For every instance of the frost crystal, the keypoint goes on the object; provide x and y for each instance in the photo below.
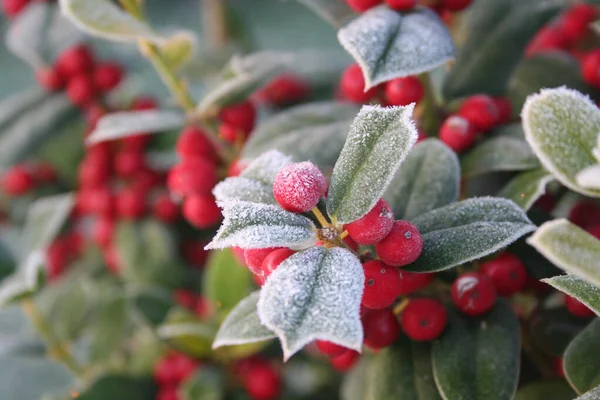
(314, 294)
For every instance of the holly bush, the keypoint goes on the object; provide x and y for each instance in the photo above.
(266, 209)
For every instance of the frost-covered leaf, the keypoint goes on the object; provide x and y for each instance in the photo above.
(242, 325)
(466, 231)
(388, 45)
(335, 12)
(479, 358)
(255, 226)
(379, 140)
(25, 281)
(561, 126)
(499, 154)
(429, 178)
(314, 132)
(314, 294)
(546, 390)
(45, 218)
(579, 288)
(581, 362)
(255, 183)
(122, 124)
(527, 187)
(593, 394)
(569, 248)
(589, 178)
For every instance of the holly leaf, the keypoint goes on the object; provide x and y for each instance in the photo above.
(379, 140)
(387, 44)
(581, 366)
(45, 218)
(314, 294)
(466, 231)
(428, 179)
(570, 248)
(545, 390)
(527, 187)
(335, 12)
(591, 395)
(243, 325)
(561, 126)
(578, 288)
(479, 358)
(256, 226)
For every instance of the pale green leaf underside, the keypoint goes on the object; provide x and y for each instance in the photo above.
(569, 248)
(314, 294)
(429, 178)
(527, 187)
(468, 230)
(589, 178)
(379, 140)
(579, 288)
(581, 362)
(478, 358)
(561, 126)
(388, 45)
(242, 325)
(335, 12)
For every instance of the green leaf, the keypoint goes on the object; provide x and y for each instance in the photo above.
(122, 124)
(335, 12)
(527, 187)
(12, 107)
(25, 281)
(379, 140)
(479, 358)
(243, 325)
(314, 131)
(561, 126)
(152, 304)
(591, 395)
(546, 390)
(388, 45)
(184, 332)
(579, 288)
(45, 218)
(552, 330)
(109, 328)
(429, 178)
(119, 387)
(466, 231)
(569, 248)
(15, 329)
(206, 384)
(580, 363)
(496, 33)
(297, 301)
(499, 154)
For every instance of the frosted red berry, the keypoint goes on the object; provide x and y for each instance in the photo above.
(352, 85)
(298, 187)
(81, 90)
(481, 111)
(403, 91)
(50, 79)
(201, 211)
(361, 6)
(411, 282)
(455, 5)
(107, 76)
(374, 226)
(590, 68)
(17, 180)
(192, 176)
(381, 285)
(273, 260)
(473, 293)
(423, 319)
(458, 133)
(402, 246)
(240, 116)
(76, 60)
(331, 349)
(131, 204)
(577, 308)
(165, 209)
(255, 257)
(192, 143)
(262, 382)
(346, 361)
(507, 273)
(381, 328)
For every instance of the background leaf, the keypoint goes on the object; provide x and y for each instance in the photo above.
(579, 288)
(526, 188)
(545, 390)
(119, 387)
(580, 363)
(206, 384)
(335, 12)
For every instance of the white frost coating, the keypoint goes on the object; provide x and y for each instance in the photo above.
(379, 140)
(242, 325)
(265, 168)
(561, 126)
(389, 45)
(314, 295)
(257, 226)
(579, 288)
(122, 124)
(527, 187)
(589, 178)
(570, 248)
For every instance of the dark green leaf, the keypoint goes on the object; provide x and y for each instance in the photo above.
(499, 154)
(184, 332)
(116, 387)
(546, 390)
(206, 384)
(109, 328)
(552, 330)
(581, 362)
(527, 187)
(153, 304)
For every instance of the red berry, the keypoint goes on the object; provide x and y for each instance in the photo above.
(146, 179)
(137, 142)
(165, 209)
(272, 261)
(401, 5)
(76, 60)
(94, 171)
(81, 90)
(107, 76)
(577, 308)
(481, 111)
(283, 90)
(193, 252)
(473, 293)
(240, 116)
(128, 163)
(100, 201)
(507, 273)
(401, 246)
(164, 374)
(352, 85)
(585, 214)
(12, 8)
(262, 382)
(183, 366)
(201, 211)
(557, 367)
(381, 285)
(455, 5)
(590, 68)
(374, 226)
(192, 176)
(298, 187)
(504, 107)
(381, 328)
(168, 393)
(411, 282)
(594, 231)
(236, 168)
(457, 133)
(231, 134)
(254, 258)
(361, 6)
(131, 204)
(548, 38)
(185, 298)
(103, 231)
(575, 21)
(423, 319)
(17, 180)
(50, 79)
(57, 258)
(331, 349)
(143, 103)
(192, 143)
(403, 91)
(346, 361)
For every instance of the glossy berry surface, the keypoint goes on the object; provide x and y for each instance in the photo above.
(255, 257)
(374, 226)
(272, 261)
(381, 285)
(363, 5)
(298, 187)
(481, 111)
(352, 85)
(402, 246)
(473, 293)
(381, 328)
(17, 180)
(346, 361)
(507, 273)
(201, 211)
(403, 91)
(411, 282)
(423, 319)
(331, 349)
(458, 133)
(577, 308)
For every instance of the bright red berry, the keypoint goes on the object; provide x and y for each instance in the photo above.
(127, 163)
(131, 204)
(481, 111)
(403, 91)
(192, 176)
(457, 133)
(381, 328)
(352, 85)
(548, 38)
(374, 226)
(100, 201)
(590, 68)
(76, 60)
(585, 214)
(577, 308)
(17, 180)
(50, 79)
(103, 231)
(168, 393)
(298, 187)
(143, 103)
(346, 361)
(272, 261)
(331, 349)
(231, 134)
(381, 285)
(184, 366)
(241, 116)
(455, 5)
(81, 90)
(12, 8)
(107, 76)
(423, 319)
(201, 211)
(402, 246)
(93, 172)
(575, 21)
(165, 209)
(163, 373)
(185, 298)
(192, 143)
(283, 90)
(254, 258)
(473, 294)
(361, 6)
(262, 382)
(507, 273)
(411, 282)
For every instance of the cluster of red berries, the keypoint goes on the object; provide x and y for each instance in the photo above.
(20, 179)
(171, 371)
(440, 6)
(283, 90)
